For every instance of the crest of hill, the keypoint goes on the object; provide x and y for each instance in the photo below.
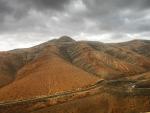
(63, 39)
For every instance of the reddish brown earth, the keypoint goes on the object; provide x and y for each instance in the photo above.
(102, 103)
(65, 64)
(46, 75)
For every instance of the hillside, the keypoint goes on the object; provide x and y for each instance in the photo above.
(65, 64)
(139, 46)
(44, 76)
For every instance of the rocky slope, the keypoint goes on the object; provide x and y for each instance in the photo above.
(65, 64)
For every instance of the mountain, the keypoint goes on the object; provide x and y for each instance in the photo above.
(65, 64)
(139, 46)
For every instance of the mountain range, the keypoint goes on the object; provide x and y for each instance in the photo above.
(65, 64)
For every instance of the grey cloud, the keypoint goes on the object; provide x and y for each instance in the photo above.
(4, 7)
(59, 17)
(119, 15)
(46, 4)
(20, 8)
(17, 13)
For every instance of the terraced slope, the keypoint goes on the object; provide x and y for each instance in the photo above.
(124, 53)
(103, 64)
(143, 80)
(139, 46)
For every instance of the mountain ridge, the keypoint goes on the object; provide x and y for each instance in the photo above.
(92, 61)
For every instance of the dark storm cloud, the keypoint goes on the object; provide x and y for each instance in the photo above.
(117, 18)
(45, 4)
(4, 8)
(107, 14)
(118, 14)
(110, 5)
(20, 8)
(16, 13)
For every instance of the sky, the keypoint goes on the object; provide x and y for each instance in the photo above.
(24, 23)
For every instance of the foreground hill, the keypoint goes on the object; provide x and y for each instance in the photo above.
(65, 64)
(46, 75)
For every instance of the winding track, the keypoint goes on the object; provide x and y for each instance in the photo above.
(61, 94)
(97, 85)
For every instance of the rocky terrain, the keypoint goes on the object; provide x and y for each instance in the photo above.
(64, 64)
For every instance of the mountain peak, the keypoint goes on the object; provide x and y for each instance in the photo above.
(65, 39)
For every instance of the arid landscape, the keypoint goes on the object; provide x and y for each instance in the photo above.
(74, 56)
(68, 76)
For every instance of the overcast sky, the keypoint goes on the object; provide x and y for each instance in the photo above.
(24, 23)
